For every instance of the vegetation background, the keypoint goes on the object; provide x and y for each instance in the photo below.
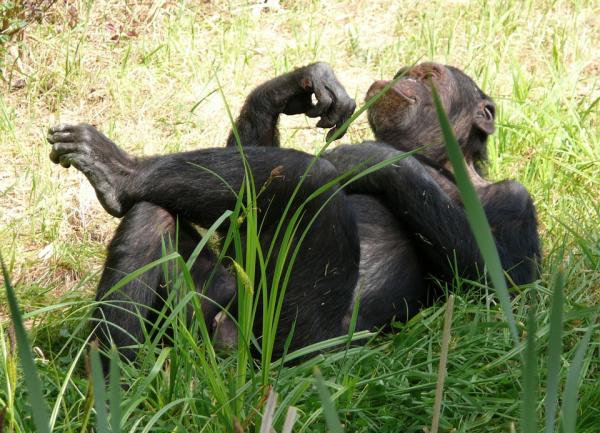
(146, 74)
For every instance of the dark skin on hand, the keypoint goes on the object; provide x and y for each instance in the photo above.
(382, 241)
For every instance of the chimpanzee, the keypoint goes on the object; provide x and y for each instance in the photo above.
(383, 239)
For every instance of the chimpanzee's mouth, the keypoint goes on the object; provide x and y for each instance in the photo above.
(405, 89)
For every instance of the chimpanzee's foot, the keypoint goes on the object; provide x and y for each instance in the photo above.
(225, 335)
(91, 152)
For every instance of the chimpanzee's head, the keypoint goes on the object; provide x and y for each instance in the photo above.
(405, 117)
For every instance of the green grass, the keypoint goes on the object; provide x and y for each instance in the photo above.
(147, 75)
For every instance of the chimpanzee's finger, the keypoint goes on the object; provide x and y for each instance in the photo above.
(339, 125)
(325, 122)
(62, 127)
(54, 156)
(60, 149)
(64, 137)
(65, 160)
(332, 131)
(324, 101)
(339, 114)
(343, 105)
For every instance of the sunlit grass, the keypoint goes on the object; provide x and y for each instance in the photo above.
(147, 75)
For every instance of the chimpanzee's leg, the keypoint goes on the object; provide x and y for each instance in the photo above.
(122, 313)
(512, 217)
(319, 291)
(320, 287)
(438, 222)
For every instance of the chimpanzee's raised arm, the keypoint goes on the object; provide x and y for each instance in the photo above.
(290, 94)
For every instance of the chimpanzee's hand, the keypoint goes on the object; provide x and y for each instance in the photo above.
(333, 106)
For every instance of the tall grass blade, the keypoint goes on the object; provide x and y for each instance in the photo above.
(60, 398)
(331, 416)
(323, 346)
(530, 378)
(115, 392)
(284, 262)
(41, 417)
(290, 420)
(266, 425)
(206, 354)
(554, 351)
(476, 217)
(164, 409)
(207, 236)
(569, 402)
(140, 271)
(246, 300)
(99, 391)
(143, 385)
(439, 389)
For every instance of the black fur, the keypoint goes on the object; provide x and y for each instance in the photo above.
(378, 241)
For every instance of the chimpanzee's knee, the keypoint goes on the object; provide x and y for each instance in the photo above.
(120, 312)
(512, 216)
(510, 198)
(145, 233)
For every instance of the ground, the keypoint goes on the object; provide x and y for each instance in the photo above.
(148, 74)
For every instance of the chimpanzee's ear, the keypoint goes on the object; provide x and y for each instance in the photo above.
(485, 115)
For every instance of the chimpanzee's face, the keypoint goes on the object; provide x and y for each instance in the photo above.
(405, 116)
